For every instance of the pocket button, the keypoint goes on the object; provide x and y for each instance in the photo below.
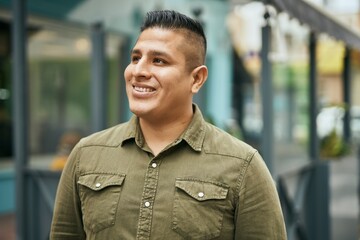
(98, 185)
(201, 194)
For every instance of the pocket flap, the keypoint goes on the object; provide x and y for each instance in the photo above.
(99, 181)
(202, 190)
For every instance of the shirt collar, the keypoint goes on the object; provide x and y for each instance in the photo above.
(194, 134)
(132, 130)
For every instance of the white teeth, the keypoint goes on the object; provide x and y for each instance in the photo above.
(142, 89)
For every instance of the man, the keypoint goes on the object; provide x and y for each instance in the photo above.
(166, 174)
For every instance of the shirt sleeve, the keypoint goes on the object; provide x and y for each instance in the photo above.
(67, 217)
(259, 214)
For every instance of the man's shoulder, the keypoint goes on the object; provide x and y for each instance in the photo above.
(110, 137)
(219, 142)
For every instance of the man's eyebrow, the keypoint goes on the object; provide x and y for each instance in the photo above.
(135, 51)
(159, 53)
(153, 53)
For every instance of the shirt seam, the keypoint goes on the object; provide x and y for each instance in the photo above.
(77, 172)
(99, 145)
(100, 172)
(229, 155)
(186, 179)
(242, 174)
(76, 185)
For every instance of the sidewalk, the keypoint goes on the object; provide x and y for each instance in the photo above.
(344, 204)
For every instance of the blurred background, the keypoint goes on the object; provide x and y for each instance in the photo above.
(284, 76)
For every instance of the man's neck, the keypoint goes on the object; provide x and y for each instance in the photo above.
(159, 134)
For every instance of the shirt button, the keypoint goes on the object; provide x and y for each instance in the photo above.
(154, 165)
(97, 185)
(201, 194)
(147, 204)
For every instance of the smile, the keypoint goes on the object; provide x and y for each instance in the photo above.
(143, 89)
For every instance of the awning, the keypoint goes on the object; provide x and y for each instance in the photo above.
(318, 20)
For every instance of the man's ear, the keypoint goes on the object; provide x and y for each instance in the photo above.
(199, 76)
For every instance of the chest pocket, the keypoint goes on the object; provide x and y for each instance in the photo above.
(198, 208)
(99, 196)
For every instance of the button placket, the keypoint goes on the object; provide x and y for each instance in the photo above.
(147, 201)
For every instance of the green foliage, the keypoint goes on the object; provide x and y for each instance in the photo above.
(332, 146)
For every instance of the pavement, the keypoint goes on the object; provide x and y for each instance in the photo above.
(344, 204)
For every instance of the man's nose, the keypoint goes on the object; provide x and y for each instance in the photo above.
(142, 69)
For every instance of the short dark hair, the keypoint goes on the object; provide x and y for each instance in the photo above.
(169, 19)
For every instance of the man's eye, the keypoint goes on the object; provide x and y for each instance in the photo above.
(158, 60)
(135, 59)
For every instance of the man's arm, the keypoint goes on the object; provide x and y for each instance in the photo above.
(67, 218)
(259, 214)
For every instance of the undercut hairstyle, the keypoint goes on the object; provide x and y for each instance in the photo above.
(192, 29)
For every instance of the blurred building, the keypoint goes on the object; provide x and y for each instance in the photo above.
(289, 57)
(69, 45)
(59, 49)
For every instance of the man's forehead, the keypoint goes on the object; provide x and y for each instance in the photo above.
(173, 41)
(157, 33)
(158, 40)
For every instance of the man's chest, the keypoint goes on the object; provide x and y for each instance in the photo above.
(181, 195)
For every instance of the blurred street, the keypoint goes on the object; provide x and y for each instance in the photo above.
(344, 204)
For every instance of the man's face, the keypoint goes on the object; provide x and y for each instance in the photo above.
(158, 81)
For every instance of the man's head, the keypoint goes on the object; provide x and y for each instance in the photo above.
(192, 30)
(167, 67)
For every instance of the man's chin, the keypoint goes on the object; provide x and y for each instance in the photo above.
(139, 112)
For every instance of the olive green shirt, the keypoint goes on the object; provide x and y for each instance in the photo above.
(205, 185)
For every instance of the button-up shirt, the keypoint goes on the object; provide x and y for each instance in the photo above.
(205, 185)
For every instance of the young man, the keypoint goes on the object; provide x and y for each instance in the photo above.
(166, 174)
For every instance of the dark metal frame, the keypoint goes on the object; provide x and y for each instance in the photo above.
(347, 94)
(99, 79)
(20, 112)
(313, 103)
(267, 96)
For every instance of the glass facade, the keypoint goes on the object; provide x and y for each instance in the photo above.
(59, 76)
